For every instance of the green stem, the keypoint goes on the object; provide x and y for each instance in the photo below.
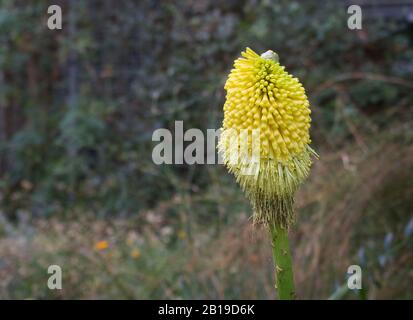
(284, 279)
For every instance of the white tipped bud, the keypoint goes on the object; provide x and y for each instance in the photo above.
(270, 55)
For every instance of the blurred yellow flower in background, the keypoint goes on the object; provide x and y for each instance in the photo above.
(181, 234)
(135, 253)
(101, 245)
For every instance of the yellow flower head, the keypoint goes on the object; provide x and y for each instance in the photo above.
(266, 125)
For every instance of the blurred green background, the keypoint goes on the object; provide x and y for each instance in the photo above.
(78, 187)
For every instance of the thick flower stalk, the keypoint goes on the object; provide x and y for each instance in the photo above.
(265, 138)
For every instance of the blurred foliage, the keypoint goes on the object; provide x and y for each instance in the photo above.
(78, 107)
